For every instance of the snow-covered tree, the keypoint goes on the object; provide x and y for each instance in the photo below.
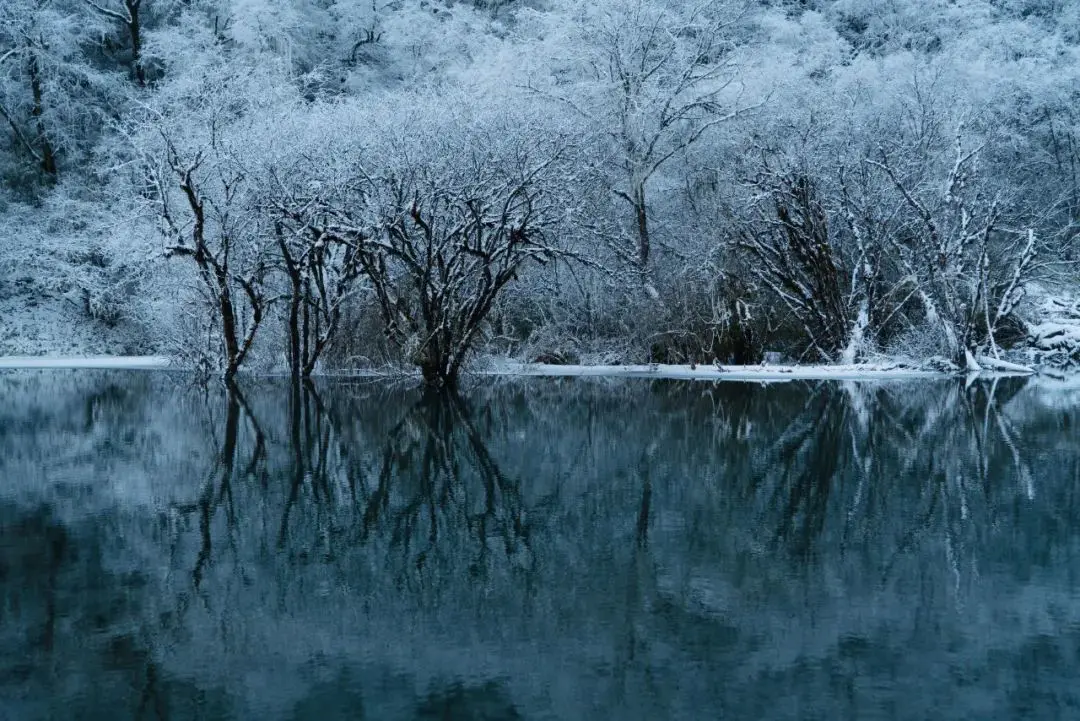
(128, 14)
(441, 214)
(200, 182)
(276, 112)
(652, 78)
(49, 90)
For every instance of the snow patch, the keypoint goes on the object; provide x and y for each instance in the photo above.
(970, 363)
(860, 371)
(1056, 335)
(1003, 366)
(106, 362)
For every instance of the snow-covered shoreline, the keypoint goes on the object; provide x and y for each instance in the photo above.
(505, 367)
(85, 363)
(859, 371)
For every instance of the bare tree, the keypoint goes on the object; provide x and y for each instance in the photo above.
(23, 59)
(814, 250)
(210, 214)
(439, 234)
(793, 256)
(127, 13)
(322, 270)
(665, 78)
(966, 261)
(846, 259)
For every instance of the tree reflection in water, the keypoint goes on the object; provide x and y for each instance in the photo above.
(550, 548)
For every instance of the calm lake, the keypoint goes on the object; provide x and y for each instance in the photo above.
(542, 549)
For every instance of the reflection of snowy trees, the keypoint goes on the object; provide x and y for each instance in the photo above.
(357, 544)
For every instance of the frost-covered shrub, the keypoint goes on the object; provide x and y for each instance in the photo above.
(917, 342)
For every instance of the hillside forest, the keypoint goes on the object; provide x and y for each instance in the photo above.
(339, 184)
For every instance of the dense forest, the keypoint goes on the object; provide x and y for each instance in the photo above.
(327, 184)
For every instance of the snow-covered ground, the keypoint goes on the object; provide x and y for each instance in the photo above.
(505, 367)
(1055, 331)
(861, 371)
(36, 320)
(97, 362)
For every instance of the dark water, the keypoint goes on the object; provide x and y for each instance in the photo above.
(541, 550)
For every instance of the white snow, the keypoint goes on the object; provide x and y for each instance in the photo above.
(970, 363)
(504, 367)
(1055, 335)
(860, 371)
(996, 364)
(90, 362)
(1055, 325)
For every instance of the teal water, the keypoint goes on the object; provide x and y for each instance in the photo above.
(560, 549)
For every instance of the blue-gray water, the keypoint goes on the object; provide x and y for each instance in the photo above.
(538, 550)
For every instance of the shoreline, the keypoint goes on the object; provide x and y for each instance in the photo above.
(771, 373)
(507, 368)
(86, 363)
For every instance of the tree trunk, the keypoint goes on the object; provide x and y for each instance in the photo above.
(857, 334)
(436, 367)
(305, 336)
(295, 362)
(47, 154)
(297, 355)
(228, 331)
(135, 31)
(641, 215)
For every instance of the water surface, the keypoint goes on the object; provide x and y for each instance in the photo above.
(549, 549)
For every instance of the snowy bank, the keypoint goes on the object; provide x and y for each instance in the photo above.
(95, 362)
(505, 367)
(862, 371)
